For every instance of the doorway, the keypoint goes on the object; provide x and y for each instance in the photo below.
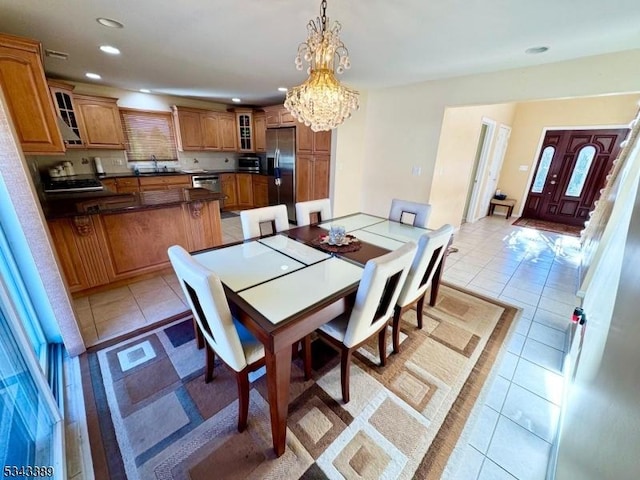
(482, 153)
(571, 170)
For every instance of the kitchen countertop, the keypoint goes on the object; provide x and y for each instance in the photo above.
(178, 172)
(60, 205)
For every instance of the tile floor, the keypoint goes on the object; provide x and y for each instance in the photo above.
(534, 270)
(537, 271)
(106, 315)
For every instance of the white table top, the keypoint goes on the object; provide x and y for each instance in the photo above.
(396, 231)
(353, 222)
(378, 240)
(297, 250)
(247, 264)
(285, 296)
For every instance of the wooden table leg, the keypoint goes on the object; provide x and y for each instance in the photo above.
(278, 380)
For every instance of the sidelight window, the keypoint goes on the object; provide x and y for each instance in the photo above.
(580, 171)
(543, 169)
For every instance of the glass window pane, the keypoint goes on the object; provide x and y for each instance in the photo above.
(580, 171)
(543, 169)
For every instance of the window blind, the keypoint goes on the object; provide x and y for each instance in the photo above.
(148, 133)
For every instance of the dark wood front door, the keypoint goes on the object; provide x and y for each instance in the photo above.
(571, 171)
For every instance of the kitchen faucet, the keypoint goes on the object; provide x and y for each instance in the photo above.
(155, 163)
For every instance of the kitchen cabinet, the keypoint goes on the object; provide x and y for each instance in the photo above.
(189, 130)
(101, 126)
(109, 184)
(201, 130)
(127, 185)
(227, 132)
(244, 185)
(27, 96)
(244, 130)
(210, 130)
(229, 189)
(164, 182)
(260, 190)
(62, 95)
(278, 116)
(308, 141)
(260, 131)
(312, 177)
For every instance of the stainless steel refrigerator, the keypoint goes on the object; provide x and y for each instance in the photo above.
(281, 153)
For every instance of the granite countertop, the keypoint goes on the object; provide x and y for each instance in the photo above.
(62, 205)
(178, 172)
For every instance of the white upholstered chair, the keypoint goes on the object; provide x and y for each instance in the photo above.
(252, 220)
(377, 295)
(321, 207)
(223, 335)
(420, 212)
(432, 247)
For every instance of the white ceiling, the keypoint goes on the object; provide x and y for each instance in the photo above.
(215, 50)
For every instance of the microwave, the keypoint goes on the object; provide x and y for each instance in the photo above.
(249, 164)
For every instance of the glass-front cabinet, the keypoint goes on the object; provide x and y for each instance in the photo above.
(244, 122)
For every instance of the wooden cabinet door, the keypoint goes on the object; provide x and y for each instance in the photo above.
(245, 189)
(320, 177)
(286, 119)
(260, 191)
(260, 132)
(62, 95)
(109, 184)
(101, 122)
(244, 129)
(228, 182)
(210, 123)
(190, 134)
(304, 178)
(304, 139)
(272, 116)
(227, 132)
(127, 185)
(322, 142)
(27, 95)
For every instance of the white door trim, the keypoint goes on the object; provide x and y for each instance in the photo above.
(471, 214)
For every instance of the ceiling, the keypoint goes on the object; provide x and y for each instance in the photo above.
(216, 50)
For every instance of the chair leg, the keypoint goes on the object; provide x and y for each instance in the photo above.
(242, 379)
(345, 364)
(419, 307)
(396, 329)
(210, 357)
(382, 345)
(306, 356)
(198, 333)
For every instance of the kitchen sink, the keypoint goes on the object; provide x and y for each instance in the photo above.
(160, 171)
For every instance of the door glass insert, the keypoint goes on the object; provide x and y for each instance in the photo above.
(580, 171)
(543, 169)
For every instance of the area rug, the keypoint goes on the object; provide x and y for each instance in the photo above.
(159, 420)
(548, 226)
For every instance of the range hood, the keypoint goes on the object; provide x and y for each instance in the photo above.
(66, 132)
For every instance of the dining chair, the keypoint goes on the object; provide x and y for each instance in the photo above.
(420, 212)
(223, 334)
(253, 219)
(304, 210)
(376, 297)
(431, 249)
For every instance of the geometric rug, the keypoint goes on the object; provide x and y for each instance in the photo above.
(548, 226)
(159, 420)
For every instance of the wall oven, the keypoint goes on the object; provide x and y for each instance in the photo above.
(210, 182)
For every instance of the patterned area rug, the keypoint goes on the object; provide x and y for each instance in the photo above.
(159, 420)
(548, 226)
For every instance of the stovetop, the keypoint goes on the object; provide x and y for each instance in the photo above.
(75, 183)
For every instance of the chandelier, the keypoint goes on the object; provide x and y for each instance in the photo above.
(321, 102)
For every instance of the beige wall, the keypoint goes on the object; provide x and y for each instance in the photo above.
(531, 118)
(403, 124)
(455, 158)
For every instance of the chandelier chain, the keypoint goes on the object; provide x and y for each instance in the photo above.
(323, 10)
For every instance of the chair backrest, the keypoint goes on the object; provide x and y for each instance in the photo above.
(378, 292)
(421, 211)
(252, 219)
(304, 210)
(209, 305)
(431, 248)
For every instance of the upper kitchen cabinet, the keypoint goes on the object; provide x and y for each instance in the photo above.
(308, 141)
(101, 126)
(62, 94)
(205, 129)
(25, 91)
(244, 130)
(260, 131)
(278, 116)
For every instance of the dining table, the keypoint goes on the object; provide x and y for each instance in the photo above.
(284, 286)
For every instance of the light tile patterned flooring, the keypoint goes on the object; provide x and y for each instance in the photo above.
(534, 270)
(537, 271)
(106, 315)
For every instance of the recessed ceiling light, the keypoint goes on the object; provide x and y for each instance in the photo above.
(145, 90)
(93, 76)
(236, 100)
(536, 50)
(108, 22)
(282, 89)
(110, 50)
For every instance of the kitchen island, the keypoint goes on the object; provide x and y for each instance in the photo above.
(104, 237)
